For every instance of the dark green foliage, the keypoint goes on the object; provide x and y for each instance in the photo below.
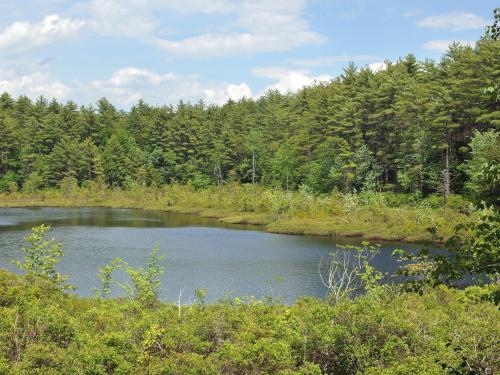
(473, 254)
(493, 31)
(406, 128)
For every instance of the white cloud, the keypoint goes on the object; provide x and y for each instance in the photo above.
(261, 26)
(248, 26)
(454, 21)
(126, 86)
(443, 45)
(135, 18)
(289, 80)
(22, 36)
(377, 66)
(32, 84)
(330, 60)
(122, 18)
(221, 94)
(216, 45)
(237, 92)
(197, 6)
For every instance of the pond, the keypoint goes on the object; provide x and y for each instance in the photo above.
(227, 260)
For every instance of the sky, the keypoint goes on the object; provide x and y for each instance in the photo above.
(164, 51)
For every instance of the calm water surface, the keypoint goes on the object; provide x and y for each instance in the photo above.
(236, 260)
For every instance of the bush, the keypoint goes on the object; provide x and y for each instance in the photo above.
(8, 182)
(454, 202)
(379, 333)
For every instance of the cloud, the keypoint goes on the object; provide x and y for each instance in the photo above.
(288, 80)
(237, 92)
(330, 60)
(377, 66)
(126, 86)
(261, 26)
(32, 84)
(443, 45)
(217, 45)
(127, 18)
(23, 36)
(247, 26)
(454, 21)
(197, 6)
(136, 18)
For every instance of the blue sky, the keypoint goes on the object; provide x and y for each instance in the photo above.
(167, 50)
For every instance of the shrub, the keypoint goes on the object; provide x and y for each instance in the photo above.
(41, 257)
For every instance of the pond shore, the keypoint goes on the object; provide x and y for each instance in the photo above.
(403, 224)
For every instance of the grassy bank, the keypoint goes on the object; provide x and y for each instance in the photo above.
(46, 331)
(375, 216)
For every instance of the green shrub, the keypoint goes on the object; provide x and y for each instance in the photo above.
(46, 331)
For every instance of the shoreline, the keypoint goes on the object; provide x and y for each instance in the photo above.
(267, 222)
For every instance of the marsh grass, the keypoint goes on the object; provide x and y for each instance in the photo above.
(375, 216)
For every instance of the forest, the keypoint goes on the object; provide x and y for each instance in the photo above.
(416, 127)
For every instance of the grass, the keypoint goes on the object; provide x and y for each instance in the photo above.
(374, 216)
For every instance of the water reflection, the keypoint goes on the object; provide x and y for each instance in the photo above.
(201, 253)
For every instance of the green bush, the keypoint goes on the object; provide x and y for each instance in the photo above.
(454, 202)
(46, 331)
(9, 182)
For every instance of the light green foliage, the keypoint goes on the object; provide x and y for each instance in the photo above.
(69, 187)
(8, 182)
(284, 167)
(145, 284)
(41, 257)
(105, 274)
(45, 331)
(476, 247)
(33, 183)
(348, 272)
(483, 168)
(200, 294)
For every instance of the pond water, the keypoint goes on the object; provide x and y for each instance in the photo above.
(233, 260)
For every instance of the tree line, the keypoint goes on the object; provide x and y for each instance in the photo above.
(417, 127)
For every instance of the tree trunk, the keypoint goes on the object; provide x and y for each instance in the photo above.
(253, 167)
(446, 177)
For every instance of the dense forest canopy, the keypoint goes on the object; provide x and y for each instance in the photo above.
(405, 128)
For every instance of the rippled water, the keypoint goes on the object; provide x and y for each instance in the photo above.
(237, 260)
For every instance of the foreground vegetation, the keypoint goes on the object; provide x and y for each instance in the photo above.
(45, 331)
(375, 216)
